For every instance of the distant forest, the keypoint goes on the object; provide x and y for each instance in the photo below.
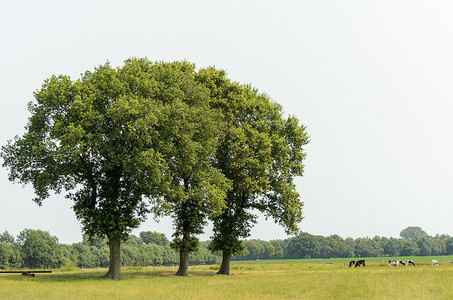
(39, 249)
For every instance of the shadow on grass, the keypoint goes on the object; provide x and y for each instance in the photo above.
(96, 275)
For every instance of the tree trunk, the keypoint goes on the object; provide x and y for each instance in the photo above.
(225, 266)
(114, 271)
(183, 263)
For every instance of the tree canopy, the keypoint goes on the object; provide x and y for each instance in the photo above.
(260, 153)
(110, 140)
(412, 232)
(163, 138)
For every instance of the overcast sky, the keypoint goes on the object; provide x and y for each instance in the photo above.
(371, 80)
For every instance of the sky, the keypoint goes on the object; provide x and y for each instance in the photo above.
(371, 81)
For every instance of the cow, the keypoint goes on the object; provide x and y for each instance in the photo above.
(351, 263)
(434, 262)
(360, 263)
(393, 263)
(410, 263)
(402, 263)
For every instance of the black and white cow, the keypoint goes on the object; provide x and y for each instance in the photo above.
(410, 263)
(393, 263)
(360, 263)
(434, 262)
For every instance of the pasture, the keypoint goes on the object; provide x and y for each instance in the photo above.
(293, 279)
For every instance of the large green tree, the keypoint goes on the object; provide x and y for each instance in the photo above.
(197, 187)
(108, 141)
(260, 153)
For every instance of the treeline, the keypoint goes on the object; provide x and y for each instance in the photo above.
(306, 245)
(39, 249)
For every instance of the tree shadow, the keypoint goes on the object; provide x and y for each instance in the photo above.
(96, 275)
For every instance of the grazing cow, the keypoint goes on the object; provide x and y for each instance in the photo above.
(410, 263)
(360, 263)
(393, 263)
(28, 274)
(434, 262)
(402, 263)
(351, 263)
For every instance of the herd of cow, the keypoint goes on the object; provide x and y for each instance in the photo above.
(392, 263)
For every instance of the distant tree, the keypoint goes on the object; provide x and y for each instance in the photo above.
(278, 252)
(350, 244)
(269, 250)
(260, 153)
(426, 245)
(412, 232)
(393, 247)
(6, 238)
(254, 249)
(304, 245)
(439, 247)
(170, 256)
(3, 256)
(150, 254)
(334, 246)
(449, 246)
(85, 256)
(94, 241)
(151, 237)
(15, 260)
(134, 240)
(39, 249)
(366, 247)
(410, 248)
(130, 255)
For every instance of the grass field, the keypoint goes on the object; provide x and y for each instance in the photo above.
(295, 279)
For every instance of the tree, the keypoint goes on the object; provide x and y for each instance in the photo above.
(39, 249)
(14, 256)
(108, 141)
(278, 249)
(151, 237)
(336, 247)
(366, 247)
(412, 232)
(393, 247)
(409, 248)
(304, 245)
(3, 256)
(426, 246)
(198, 187)
(6, 238)
(260, 152)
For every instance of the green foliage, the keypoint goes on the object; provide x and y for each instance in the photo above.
(260, 153)
(6, 238)
(151, 237)
(39, 249)
(121, 143)
(412, 232)
(3, 256)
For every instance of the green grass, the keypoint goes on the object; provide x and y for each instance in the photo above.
(288, 280)
(419, 259)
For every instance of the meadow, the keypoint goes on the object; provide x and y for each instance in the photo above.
(290, 279)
